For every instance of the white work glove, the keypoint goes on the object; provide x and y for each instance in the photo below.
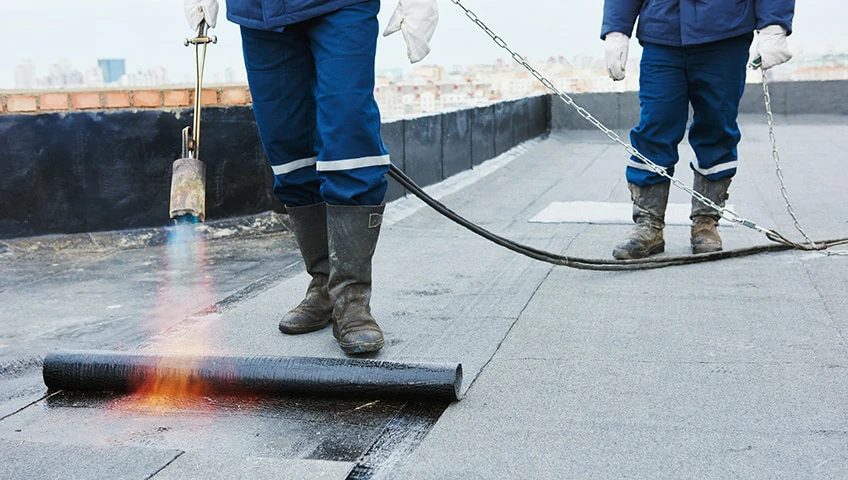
(417, 19)
(201, 10)
(772, 46)
(617, 45)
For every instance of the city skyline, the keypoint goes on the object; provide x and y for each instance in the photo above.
(427, 89)
(27, 76)
(821, 66)
(149, 34)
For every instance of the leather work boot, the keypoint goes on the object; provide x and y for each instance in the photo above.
(315, 312)
(705, 237)
(352, 233)
(646, 237)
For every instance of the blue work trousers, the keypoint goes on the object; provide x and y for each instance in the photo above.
(710, 77)
(313, 97)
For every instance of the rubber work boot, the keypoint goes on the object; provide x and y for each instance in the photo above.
(646, 237)
(315, 312)
(705, 237)
(353, 233)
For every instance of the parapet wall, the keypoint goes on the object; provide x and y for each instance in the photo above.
(620, 111)
(74, 162)
(86, 161)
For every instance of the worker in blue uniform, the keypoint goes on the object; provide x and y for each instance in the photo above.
(310, 68)
(694, 52)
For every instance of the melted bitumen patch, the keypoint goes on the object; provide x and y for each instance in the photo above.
(378, 434)
(105, 289)
(265, 223)
(18, 366)
(404, 432)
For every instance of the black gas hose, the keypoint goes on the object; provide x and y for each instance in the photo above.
(599, 264)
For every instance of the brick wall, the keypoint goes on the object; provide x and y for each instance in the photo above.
(48, 101)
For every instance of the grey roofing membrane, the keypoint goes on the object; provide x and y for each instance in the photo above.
(730, 369)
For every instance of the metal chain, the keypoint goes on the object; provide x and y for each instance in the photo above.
(776, 157)
(810, 245)
(725, 212)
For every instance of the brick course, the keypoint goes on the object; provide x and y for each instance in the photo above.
(116, 99)
(209, 97)
(54, 101)
(233, 96)
(85, 100)
(147, 98)
(176, 98)
(31, 102)
(21, 103)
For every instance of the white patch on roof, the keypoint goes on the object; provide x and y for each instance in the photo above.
(608, 213)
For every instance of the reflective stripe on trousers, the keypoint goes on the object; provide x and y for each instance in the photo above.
(313, 98)
(710, 77)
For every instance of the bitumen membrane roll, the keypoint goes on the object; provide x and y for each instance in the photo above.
(114, 371)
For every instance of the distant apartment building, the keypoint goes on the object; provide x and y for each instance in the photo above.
(62, 75)
(832, 66)
(25, 75)
(807, 67)
(415, 97)
(432, 88)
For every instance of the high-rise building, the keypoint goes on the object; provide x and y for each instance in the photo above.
(113, 69)
(63, 75)
(25, 75)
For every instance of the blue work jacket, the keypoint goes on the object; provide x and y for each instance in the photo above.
(276, 14)
(691, 22)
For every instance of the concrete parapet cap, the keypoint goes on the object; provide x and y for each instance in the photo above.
(117, 98)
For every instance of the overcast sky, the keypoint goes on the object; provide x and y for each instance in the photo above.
(149, 33)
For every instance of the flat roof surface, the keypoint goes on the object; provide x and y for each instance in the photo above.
(729, 369)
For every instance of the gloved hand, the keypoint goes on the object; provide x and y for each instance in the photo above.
(201, 10)
(617, 45)
(772, 46)
(417, 19)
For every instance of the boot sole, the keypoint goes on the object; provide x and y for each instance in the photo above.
(354, 348)
(357, 347)
(706, 249)
(620, 254)
(298, 330)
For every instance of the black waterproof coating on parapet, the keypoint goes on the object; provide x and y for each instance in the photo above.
(233, 375)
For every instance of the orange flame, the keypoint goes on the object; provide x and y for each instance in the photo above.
(186, 288)
(164, 389)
